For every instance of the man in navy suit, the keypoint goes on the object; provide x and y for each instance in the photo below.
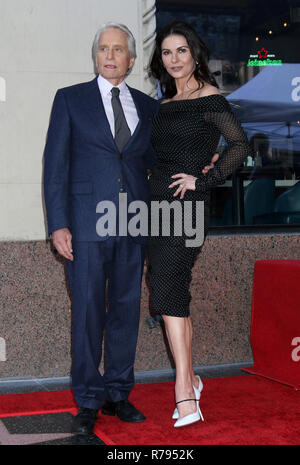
(84, 165)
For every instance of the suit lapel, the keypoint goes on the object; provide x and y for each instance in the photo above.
(140, 116)
(93, 105)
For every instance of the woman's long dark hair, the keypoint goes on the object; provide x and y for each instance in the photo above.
(199, 52)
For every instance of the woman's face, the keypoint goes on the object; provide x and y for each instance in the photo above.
(177, 57)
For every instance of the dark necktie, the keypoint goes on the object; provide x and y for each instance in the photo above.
(122, 131)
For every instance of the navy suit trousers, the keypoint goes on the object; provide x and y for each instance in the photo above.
(105, 280)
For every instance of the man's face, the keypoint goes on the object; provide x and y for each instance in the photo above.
(113, 58)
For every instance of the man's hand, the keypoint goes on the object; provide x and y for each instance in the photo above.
(214, 160)
(62, 241)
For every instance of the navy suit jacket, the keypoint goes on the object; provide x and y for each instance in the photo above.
(83, 165)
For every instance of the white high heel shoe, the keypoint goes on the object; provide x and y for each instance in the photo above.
(191, 418)
(197, 392)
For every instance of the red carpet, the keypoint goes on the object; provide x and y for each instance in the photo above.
(275, 321)
(244, 410)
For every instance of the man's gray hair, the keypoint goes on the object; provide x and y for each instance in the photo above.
(122, 27)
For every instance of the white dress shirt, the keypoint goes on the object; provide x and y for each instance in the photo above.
(126, 101)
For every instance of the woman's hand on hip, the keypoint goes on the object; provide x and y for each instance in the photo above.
(187, 182)
(184, 182)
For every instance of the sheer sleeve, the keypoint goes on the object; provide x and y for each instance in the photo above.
(237, 148)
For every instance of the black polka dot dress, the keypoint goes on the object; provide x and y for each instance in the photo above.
(185, 135)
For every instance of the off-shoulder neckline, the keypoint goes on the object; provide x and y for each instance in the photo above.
(191, 99)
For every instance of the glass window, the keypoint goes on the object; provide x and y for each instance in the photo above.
(256, 60)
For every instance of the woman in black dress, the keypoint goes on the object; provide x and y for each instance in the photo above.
(185, 134)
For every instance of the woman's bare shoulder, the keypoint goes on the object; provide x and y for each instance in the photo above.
(209, 89)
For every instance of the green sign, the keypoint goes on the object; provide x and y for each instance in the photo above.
(263, 58)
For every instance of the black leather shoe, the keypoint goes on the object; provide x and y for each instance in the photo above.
(124, 410)
(84, 421)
